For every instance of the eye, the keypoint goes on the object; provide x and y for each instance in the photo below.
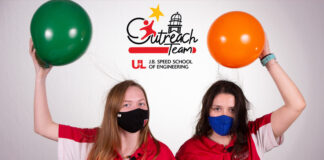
(126, 105)
(216, 108)
(142, 104)
(232, 110)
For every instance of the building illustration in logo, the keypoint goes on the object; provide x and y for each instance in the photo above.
(175, 23)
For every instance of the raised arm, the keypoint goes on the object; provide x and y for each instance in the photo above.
(294, 102)
(43, 123)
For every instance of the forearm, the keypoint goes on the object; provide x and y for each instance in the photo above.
(292, 97)
(42, 116)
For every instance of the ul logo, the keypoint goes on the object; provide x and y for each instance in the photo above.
(139, 64)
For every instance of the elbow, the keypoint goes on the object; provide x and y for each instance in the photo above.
(41, 128)
(37, 130)
(296, 104)
(300, 106)
(303, 105)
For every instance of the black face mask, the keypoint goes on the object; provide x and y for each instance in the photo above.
(132, 121)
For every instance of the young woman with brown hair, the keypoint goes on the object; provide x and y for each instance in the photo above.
(223, 131)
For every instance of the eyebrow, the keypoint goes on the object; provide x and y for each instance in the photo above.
(142, 99)
(221, 106)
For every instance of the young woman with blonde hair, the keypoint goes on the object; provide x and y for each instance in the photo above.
(123, 135)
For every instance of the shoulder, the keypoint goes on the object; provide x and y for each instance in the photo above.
(77, 134)
(189, 147)
(165, 152)
(255, 125)
(192, 142)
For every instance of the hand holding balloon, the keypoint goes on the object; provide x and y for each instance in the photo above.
(266, 49)
(40, 71)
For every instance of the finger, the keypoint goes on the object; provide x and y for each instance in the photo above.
(32, 52)
(267, 44)
(266, 40)
(30, 45)
(33, 55)
(31, 42)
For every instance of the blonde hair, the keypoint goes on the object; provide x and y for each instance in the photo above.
(107, 139)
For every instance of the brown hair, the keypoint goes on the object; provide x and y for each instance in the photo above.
(240, 124)
(107, 138)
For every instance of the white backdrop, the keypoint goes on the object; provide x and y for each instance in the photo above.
(76, 92)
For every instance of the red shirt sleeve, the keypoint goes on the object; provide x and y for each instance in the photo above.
(77, 134)
(165, 153)
(188, 151)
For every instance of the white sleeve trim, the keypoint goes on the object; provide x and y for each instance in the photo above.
(71, 150)
(265, 140)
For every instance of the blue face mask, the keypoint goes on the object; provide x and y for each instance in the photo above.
(221, 124)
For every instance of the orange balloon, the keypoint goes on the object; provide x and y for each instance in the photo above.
(235, 39)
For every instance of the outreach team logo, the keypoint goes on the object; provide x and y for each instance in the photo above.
(141, 32)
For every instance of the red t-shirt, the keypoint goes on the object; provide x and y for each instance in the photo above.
(260, 140)
(76, 143)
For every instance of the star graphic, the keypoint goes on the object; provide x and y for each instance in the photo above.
(156, 13)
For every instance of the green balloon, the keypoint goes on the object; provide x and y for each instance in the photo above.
(61, 31)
